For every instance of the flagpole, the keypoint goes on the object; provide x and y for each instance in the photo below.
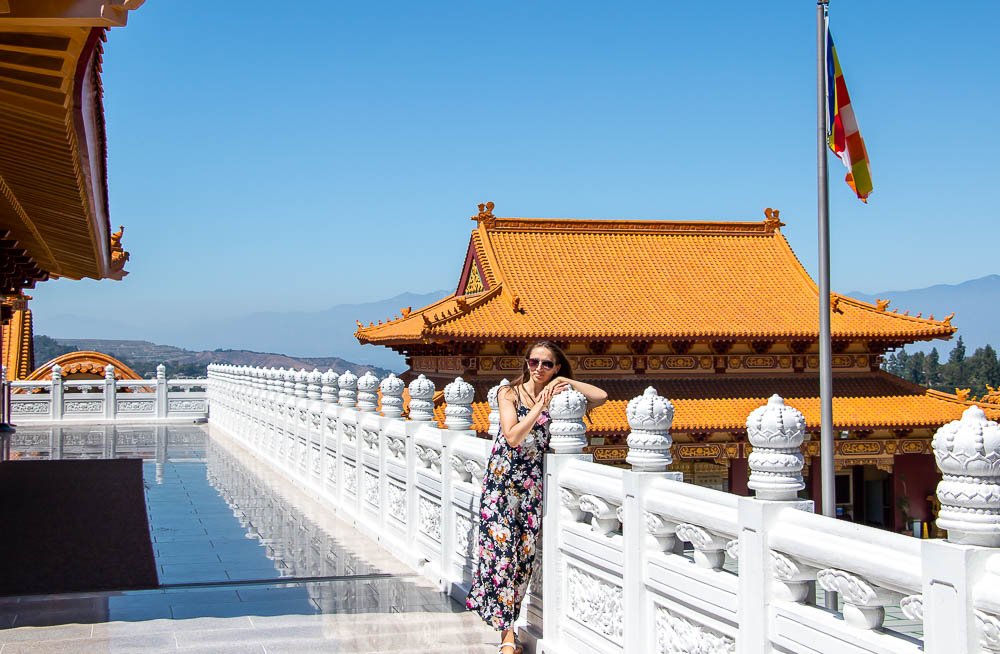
(828, 487)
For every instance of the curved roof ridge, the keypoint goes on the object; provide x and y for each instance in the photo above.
(80, 357)
(868, 306)
(624, 225)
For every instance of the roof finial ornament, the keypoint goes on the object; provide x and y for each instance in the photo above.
(835, 304)
(963, 393)
(485, 213)
(405, 311)
(947, 319)
(881, 304)
(118, 254)
(772, 222)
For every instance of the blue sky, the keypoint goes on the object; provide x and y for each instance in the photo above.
(295, 156)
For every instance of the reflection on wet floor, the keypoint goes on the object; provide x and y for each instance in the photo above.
(245, 561)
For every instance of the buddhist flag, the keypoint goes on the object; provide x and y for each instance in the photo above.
(842, 126)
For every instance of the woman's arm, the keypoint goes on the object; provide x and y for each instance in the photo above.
(595, 396)
(514, 430)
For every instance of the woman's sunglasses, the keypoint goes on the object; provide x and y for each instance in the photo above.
(546, 365)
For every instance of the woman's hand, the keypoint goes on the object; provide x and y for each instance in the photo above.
(552, 389)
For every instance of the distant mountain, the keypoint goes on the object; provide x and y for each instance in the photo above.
(977, 312)
(144, 355)
(301, 334)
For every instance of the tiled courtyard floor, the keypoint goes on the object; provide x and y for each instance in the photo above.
(247, 563)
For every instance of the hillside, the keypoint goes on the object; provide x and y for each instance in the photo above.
(144, 356)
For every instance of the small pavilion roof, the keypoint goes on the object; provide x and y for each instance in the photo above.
(585, 280)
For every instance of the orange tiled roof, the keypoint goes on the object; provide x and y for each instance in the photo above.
(18, 344)
(631, 280)
(866, 401)
(83, 362)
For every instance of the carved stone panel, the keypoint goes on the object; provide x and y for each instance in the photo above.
(29, 408)
(595, 603)
(429, 517)
(186, 405)
(397, 502)
(91, 406)
(675, 635)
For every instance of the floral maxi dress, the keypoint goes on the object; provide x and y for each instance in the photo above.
(510, 517)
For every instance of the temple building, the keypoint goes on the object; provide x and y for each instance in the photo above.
(54, 215)
(717, 316)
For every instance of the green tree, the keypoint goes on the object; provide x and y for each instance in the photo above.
(932, 370)
(914, 370)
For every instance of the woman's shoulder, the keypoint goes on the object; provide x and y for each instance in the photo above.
(507, 392)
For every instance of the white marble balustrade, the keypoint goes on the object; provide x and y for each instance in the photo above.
(635, 560)
(158, 400)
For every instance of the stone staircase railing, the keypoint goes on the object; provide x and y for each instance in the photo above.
(635, 560)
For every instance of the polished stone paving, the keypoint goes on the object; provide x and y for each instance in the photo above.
(247, 563)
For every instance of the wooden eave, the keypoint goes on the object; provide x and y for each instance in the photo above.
(53, 155)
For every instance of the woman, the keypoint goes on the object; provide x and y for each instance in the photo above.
(511, 505)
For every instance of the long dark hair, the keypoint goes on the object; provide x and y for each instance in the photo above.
(565, 369)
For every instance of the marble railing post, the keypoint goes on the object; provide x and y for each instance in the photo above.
(776, 431)
(350, 451)
(421, 412)
(567, 439)
(331, 442)
(649, 417)
(110, 393)
(367, 393)
(968, 453)
(56, 393)
(458, 397)
(391, 388)
(161, 391)
(314, 455)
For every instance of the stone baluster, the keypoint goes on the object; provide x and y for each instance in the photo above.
(392, 396)
(492, 398)
(57, 393)
(458, 396)
(368, 392)
(110, 392)
(568, 434)
(649, 417)
(313, 381)
(776, 431)
(161, 391)
(348, 383)
(422, 399)
(968, 453)
(301, 388)
(330, 389)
